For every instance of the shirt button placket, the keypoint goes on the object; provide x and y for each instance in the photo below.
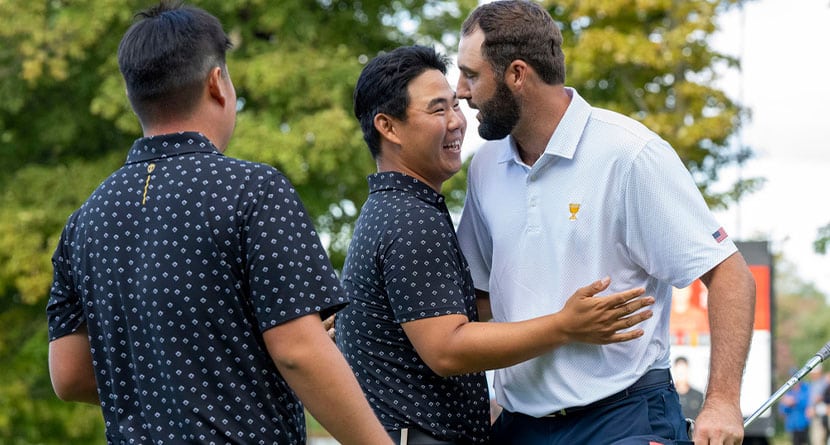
(532, 196)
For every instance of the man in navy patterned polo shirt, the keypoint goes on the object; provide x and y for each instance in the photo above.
(411, 333)
(189, 288)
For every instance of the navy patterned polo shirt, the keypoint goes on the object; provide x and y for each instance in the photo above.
(404, 264)
(177, 263)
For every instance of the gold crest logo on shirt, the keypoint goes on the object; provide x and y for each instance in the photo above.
(574, 209)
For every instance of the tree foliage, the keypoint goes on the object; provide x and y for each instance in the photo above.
(802, 320)
(65, 124)
(823, 239)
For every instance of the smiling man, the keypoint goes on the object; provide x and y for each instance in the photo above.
(411, 332)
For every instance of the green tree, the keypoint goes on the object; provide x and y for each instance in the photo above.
(802, 320)
(65, 124)
(823, 239)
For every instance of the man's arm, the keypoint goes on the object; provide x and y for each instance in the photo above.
(451, 345)
(70, 368)
(317, 372)
(731, 315)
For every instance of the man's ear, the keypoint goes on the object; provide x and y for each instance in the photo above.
(217, 86)
(515, 76)
(385, 125)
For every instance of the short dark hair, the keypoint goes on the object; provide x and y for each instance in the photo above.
(382, 86)
(519, 29)
(166, 55)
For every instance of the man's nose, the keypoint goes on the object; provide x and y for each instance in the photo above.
(457, 120)
(462, 91)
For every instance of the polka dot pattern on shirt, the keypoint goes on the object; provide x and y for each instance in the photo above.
(404, 264)
(177, 263)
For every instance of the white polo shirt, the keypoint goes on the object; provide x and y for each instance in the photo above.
(640, 220)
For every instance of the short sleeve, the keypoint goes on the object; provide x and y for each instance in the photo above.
(64, 310)
(289, 273)
(422, 271)
(670, 231)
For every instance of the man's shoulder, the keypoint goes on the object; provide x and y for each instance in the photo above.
(399, 213)
(611, 122)
(253, 172)
(491, 153)
(244, 164)
(397, 205)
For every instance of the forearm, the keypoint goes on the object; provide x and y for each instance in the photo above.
(319, 375)
(731, 314)
(479, 346)
(451, 345)
(341, 408)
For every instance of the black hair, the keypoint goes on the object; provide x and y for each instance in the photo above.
(166, 56)
(382, 86)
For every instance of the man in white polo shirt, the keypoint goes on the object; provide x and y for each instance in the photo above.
(564, 192)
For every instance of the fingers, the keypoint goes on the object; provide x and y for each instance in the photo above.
(593, 288)
(633, 320)
(623, 325)
(626, 303)
(621, 298)
(635, 305)
(328, 325)
(612, 300)
(632, 313)
(624, 336)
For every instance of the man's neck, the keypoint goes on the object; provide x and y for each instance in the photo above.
(540, 118)
(197, 124)
(386, 166)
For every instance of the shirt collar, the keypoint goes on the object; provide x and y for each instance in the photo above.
(398, 181)
(566, 137)
(167, 145)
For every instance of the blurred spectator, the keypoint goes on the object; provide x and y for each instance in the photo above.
(691, 400)
(817, 410)
(793, 406)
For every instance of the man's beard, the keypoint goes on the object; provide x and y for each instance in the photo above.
(499, 115)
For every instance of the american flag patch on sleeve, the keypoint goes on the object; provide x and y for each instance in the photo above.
(720, 235)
